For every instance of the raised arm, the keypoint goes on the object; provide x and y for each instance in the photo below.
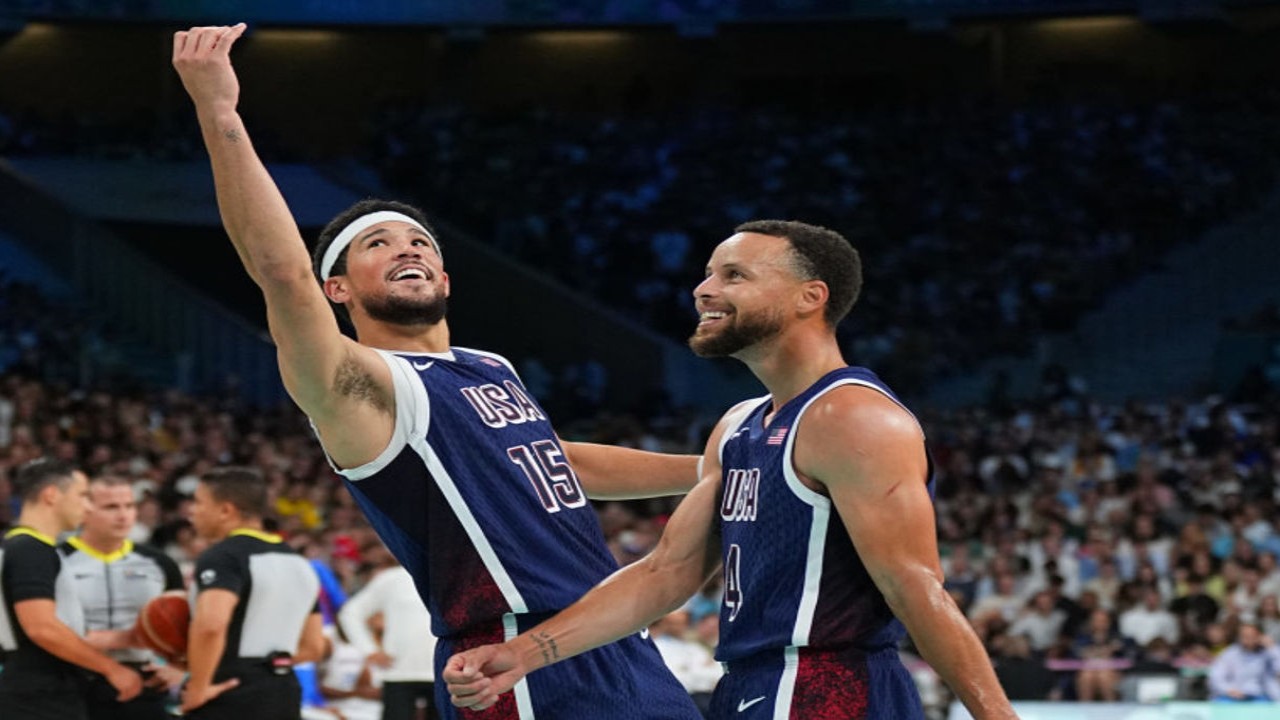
(627, 601)
(608, 472)
(314, 354)
(869, 454)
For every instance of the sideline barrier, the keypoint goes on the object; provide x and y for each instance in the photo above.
(1135, 711)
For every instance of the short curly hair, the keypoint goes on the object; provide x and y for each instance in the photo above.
(819, 253)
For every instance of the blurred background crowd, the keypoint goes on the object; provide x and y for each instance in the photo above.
(1105, 544)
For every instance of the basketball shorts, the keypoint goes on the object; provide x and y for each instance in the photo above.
(801, 684)
(626, 680)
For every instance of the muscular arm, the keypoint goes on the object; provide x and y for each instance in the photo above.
(627, 601)
(608, 472)
(39, 620)
(869, 454)
(635, 596)
(318, 364)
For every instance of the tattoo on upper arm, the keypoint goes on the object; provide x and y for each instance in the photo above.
(353, 381)
(233, 135)
(547, 644)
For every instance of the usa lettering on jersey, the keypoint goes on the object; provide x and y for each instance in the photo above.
(741, 499)
(501, 405)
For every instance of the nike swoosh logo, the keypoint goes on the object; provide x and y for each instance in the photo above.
(423, 366)
(744, 704)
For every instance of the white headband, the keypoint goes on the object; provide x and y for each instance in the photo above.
(359, 225)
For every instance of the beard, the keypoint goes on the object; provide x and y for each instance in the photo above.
(741, 333)
(407, 311)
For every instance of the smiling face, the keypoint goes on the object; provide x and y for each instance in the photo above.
(393, 275)
(744, 298)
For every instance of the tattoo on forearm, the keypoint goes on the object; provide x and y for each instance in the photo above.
(233, 135)
(547, 644)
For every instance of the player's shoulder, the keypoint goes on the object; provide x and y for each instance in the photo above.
(855, 408)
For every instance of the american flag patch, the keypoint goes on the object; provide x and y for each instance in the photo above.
(777, 436)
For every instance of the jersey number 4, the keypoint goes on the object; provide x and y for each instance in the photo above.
(552, 479)
(733, 581)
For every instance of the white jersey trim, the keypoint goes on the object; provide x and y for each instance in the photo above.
(413, 421)
(524, 701)
(737, 415)
(787, 683)
(821, 521)
(462, 511)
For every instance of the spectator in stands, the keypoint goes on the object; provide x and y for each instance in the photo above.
(1106, 585)
(1145, 622)
(1040, 622)
(1022, 675)
(690, 661)
(349, 683)
(404, 652)
(1248, 670)
(1004, 603)
(1268, 617)
(1103, 652)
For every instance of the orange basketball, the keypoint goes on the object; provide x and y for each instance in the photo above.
(163, 622)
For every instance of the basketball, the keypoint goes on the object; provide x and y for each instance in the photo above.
(163, 622)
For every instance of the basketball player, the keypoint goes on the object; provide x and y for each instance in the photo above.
(815, 500)
(256, 611)
(112, 579)
(452, 461)
(41, 622)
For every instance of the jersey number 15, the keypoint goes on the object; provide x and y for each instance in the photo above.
(553, 480)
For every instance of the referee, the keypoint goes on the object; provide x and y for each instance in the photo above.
(112, 578)
(40, 618)
(256, 610)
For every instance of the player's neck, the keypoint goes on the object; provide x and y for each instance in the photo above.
(789, 365)
(404, 338)
(41, 521)
(103, 544)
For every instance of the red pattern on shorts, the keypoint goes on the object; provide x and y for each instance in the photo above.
(827, 690)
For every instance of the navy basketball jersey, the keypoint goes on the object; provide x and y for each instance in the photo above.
(792, 576)
(474, 495)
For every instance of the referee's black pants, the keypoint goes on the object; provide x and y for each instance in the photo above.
(40, 696)
(261, 695)
(100, 696)
(404, 700)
